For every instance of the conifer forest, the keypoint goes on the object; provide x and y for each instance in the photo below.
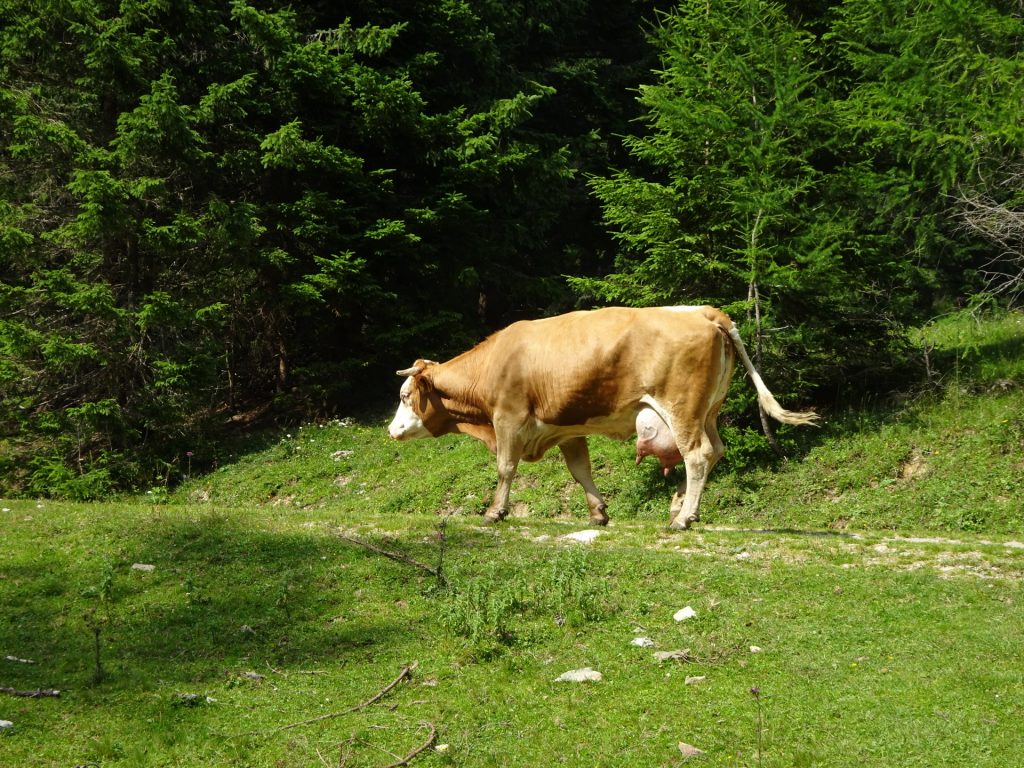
(215, 215)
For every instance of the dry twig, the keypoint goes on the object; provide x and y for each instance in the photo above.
(392, 555)
(406, 671)
(39, 693)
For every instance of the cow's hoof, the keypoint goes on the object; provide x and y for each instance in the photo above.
(681, 523)
(492, 517)
(599, 516)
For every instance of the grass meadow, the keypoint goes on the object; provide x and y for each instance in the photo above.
(857, 605)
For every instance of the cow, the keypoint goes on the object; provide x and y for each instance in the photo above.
(659, 372)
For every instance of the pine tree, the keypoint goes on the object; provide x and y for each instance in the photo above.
(730, 210)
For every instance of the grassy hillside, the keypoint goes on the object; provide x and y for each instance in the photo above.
(947, 457)
(860, 604)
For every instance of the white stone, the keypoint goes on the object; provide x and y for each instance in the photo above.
(642, 642)
(144, 567)
(684, 613)
(580, 676)
(584, 537)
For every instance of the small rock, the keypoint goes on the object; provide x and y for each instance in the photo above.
(684, 613)
(755, 649)
(580, 676)
(694, 679)
(680, 655)
(253, 676)
(17, 660)
(584, 537)
(688, 750)
(642, 642)
(247, 630)
(192, 700)
(144, 567)
(344, 454)
(6, 725)
(441, 748)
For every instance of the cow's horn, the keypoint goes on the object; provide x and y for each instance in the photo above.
(418, 367)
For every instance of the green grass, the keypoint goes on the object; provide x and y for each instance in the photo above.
(879, 571)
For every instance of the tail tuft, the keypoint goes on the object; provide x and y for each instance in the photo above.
(772, 408)
(764, 396)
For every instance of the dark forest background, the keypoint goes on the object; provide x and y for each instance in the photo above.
(214, 214)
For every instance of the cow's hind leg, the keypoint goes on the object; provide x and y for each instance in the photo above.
(577, 458)
(699, 456)
(686, 500)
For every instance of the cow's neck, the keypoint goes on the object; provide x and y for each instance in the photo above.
(456, 385)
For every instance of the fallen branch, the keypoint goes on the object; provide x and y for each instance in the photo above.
(406, 671)
(424, 746)
(39, 693)
(19, 661)
(392, 555)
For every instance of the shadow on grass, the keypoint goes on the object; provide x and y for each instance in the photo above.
(976, 360)
(221, 597)
(785, 531)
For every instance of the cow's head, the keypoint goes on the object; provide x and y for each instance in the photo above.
(420, 410)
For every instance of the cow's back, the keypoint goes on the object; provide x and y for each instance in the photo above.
(581, 366)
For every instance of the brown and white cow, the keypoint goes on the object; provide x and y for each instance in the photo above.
(660, 372)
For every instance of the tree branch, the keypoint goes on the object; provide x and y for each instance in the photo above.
(426, 745)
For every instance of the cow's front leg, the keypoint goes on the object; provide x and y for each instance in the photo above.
(508, 461)
(577, 459)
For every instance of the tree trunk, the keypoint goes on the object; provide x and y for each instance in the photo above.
(754, 305)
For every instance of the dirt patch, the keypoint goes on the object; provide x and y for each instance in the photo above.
(913, 467)
(519, 509)
(946, 557)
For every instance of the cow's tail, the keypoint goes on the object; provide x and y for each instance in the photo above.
(764, 395)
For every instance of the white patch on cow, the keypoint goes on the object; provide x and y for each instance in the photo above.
(407, 425)
(541, 437)
(726, 377)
